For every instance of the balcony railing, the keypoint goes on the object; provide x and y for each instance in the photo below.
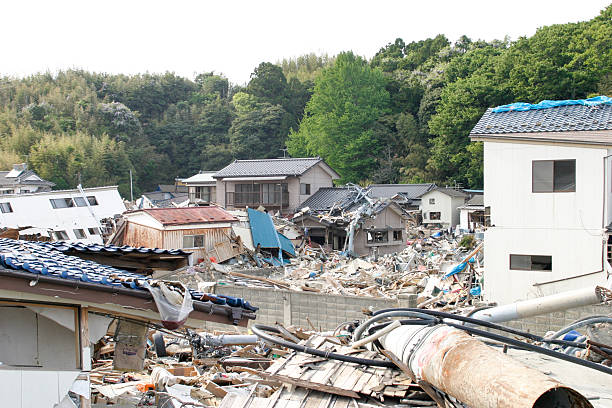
(255, 199)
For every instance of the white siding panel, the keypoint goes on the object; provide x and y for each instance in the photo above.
(10, 388)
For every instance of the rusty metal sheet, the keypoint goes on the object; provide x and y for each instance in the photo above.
(189, 215)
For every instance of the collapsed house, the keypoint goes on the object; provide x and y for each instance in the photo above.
(346, 219)
(203, 231)
(83, 214)
(54, 308)
(166, 195)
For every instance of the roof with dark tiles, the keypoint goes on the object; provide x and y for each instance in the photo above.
(37, 258)
(408, 191)
(328, 197)
(270, 167)
(571, 118)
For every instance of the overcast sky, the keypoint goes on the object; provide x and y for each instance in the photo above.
(232, 37)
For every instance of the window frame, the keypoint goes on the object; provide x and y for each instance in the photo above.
(304, 188)
(432, 201)
(374, 241)
(439, 216)
(193, 238)
(554, 176)
(60, 237)
(66, 200)
(3, 207)
(79, 231)
(530, 269)
(93, 231)
(401, 235)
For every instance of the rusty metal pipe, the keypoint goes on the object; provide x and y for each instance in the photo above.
(474, 373)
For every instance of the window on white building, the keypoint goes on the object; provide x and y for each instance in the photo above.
(6, 208)
(193, 241)
(432, 201)
(60, 235)
(61, 202)
(531, 262)
(304, 189)
(79, 233)
(434, 215)
(548, 176)
(93, 231)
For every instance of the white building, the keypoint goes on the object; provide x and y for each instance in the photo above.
(202, 188)
(20, 180)
(68, 215)
(547, 189)
(440, 206)
(471, 214)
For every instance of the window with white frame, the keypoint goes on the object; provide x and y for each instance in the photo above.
(61, 202)
(432, 201)
(304, 189)
(60, 235)
(79, 233)
(553, 176)
(93, 231)
(531, 262)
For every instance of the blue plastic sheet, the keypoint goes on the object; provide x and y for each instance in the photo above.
(456, 269)
(522, 106)
(475, 291)
(264, 234)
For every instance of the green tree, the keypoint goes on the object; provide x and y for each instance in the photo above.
(340, 117)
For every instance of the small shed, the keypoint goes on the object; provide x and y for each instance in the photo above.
(199, 230)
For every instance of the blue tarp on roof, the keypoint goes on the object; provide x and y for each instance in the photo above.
(522, 106)
(286, 244)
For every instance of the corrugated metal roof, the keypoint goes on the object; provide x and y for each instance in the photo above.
(570, 118)
(268, 167)
(327, 197)
(189, 215)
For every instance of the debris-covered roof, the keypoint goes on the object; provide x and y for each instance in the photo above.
(565, 118)
(189, 215)
(408, 191)
(37, 259)
(271, 167)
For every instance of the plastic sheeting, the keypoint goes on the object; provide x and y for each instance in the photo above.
(522, 106)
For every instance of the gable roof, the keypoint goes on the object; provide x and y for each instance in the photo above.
(448, 191)
(188, 215)
(272, 167)
(327, 197)
(201, 177)
(26, 177)
(408, 191)
(581, 121)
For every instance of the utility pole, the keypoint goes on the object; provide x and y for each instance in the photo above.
(131, 188)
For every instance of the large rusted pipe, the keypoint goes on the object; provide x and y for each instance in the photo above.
(474, 373)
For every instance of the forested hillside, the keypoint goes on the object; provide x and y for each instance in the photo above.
(403, 116)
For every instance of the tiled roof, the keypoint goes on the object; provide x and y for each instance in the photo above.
(409, 191)
(189, 215)
(42, 259)
(201, 177)
(327, 197)
(268, 167)
(97, 248)
(21, 179)
(572, 118)
(477, 200)
(449, 191)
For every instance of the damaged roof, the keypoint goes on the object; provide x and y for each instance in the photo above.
(272, 167)
(189, 215)
(328, 197)
(42, 262)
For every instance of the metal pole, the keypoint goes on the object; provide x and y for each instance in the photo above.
(474, 373)
(131, 188)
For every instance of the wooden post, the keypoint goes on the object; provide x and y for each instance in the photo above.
(85, 351)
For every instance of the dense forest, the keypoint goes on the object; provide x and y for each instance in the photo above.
(403, 116)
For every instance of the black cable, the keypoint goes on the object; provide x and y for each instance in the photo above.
(260, 331)
(490, 325)
(504, 339)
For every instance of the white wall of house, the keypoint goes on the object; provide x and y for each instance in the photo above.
(35, 210)
(446, 205)
(39, 359)
(564, 225)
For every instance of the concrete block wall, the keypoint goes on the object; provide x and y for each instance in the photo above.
(325, 311)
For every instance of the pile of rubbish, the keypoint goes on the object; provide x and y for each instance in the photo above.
(359, 364)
